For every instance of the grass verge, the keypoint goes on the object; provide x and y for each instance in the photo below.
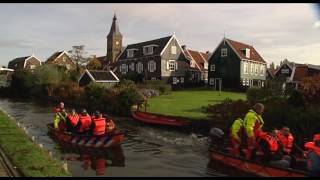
(28, 157)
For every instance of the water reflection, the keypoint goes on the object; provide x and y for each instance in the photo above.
(97, 160)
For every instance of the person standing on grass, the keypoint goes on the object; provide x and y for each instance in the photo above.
(253, 124)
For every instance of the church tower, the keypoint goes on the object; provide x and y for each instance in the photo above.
(114, 41)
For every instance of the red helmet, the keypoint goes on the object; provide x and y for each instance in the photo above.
(316, 137)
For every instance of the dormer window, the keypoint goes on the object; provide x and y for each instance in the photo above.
(130, 52)
(147, 50)
(247, 52)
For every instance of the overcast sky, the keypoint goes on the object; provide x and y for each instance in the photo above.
(277, 31)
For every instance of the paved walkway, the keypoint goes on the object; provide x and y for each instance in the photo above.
(3, 172)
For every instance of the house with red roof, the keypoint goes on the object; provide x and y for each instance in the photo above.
(301, 71)
(236, 65)
(198, 64)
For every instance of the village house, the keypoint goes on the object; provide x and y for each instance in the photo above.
(62, 59)
(301, 71)
(158, 59)
(21, 63)
(235, 65)
(198, 64)
(107, 78)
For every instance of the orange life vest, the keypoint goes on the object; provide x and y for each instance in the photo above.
(310, 146)
(100, 126)
(286, 141)
(85, 123)
(74, 119)
(273, 144)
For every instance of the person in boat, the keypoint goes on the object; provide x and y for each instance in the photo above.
(60, 119)
(73, 121)
(110, 125)
(253, 123)
(313, 156)
(236, 134)
(59, 108)
(84, 122)
(269, 147)
(286, 139)
(98, 125)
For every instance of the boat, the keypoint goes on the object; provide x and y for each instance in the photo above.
(86, 141)
(159, 119)
(252, 167)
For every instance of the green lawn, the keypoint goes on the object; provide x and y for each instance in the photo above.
(188, 103)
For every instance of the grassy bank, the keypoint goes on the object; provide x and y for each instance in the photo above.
(30, 159)
(189, 103)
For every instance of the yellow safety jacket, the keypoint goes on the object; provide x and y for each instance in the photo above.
(253, 124)
(237, 129)
(58, 117)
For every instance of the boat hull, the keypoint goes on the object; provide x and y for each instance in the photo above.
(159, 119)
(86, 141)
(252, 167)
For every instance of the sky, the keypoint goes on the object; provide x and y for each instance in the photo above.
(277, 31)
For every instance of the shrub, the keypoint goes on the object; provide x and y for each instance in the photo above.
(296, 98)
(255, 94)
(310, 87)
(159, 85)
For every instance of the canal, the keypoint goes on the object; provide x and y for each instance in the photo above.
(146, 151)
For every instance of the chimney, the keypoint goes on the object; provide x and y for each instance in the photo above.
(184, 47)
(207, 52)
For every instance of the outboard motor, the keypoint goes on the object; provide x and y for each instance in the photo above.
(217, 138)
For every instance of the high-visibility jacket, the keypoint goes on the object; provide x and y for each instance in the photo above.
(313, 158)
(253, 124)
(287, 142)
(237, 129)
(74, 119)
(272, 141)
(99, 126)
(85, 123)
(60, 120)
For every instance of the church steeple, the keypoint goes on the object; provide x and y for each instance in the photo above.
(114, 30)
(114, 41)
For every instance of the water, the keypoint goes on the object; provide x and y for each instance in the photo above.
(146, 150)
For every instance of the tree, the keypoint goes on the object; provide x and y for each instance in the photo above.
(77, 53)
(94, 64)
(48, 76)
(272, 67)
(310, 88)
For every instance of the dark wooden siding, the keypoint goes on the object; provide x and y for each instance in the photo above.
(226, 68)
(85, 80)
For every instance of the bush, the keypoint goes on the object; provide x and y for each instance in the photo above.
(255, 94)
(296, 98)
(222, 115)
(310, 88)
(159, 85)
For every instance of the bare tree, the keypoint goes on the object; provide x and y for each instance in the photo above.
(78, 55)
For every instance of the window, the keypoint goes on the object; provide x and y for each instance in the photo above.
(64, 59)
(284, 71)
(248, 82)
(153, 78)
(211, 82)
(124, 68)
(130, 53)
(182, 79)
(262, 70)
(256, 69)
(172, 65)
(252, 68)
(132, 66)
(152, 66)
(173, 49)
(205, 65)
(243, 82)
(247, 51)
(174, 80)
(259, 83)
(224, 52)
(213, 67)
(32, 66)
(139, 67)
(147, 50)
(262, 84)
(245, 68)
